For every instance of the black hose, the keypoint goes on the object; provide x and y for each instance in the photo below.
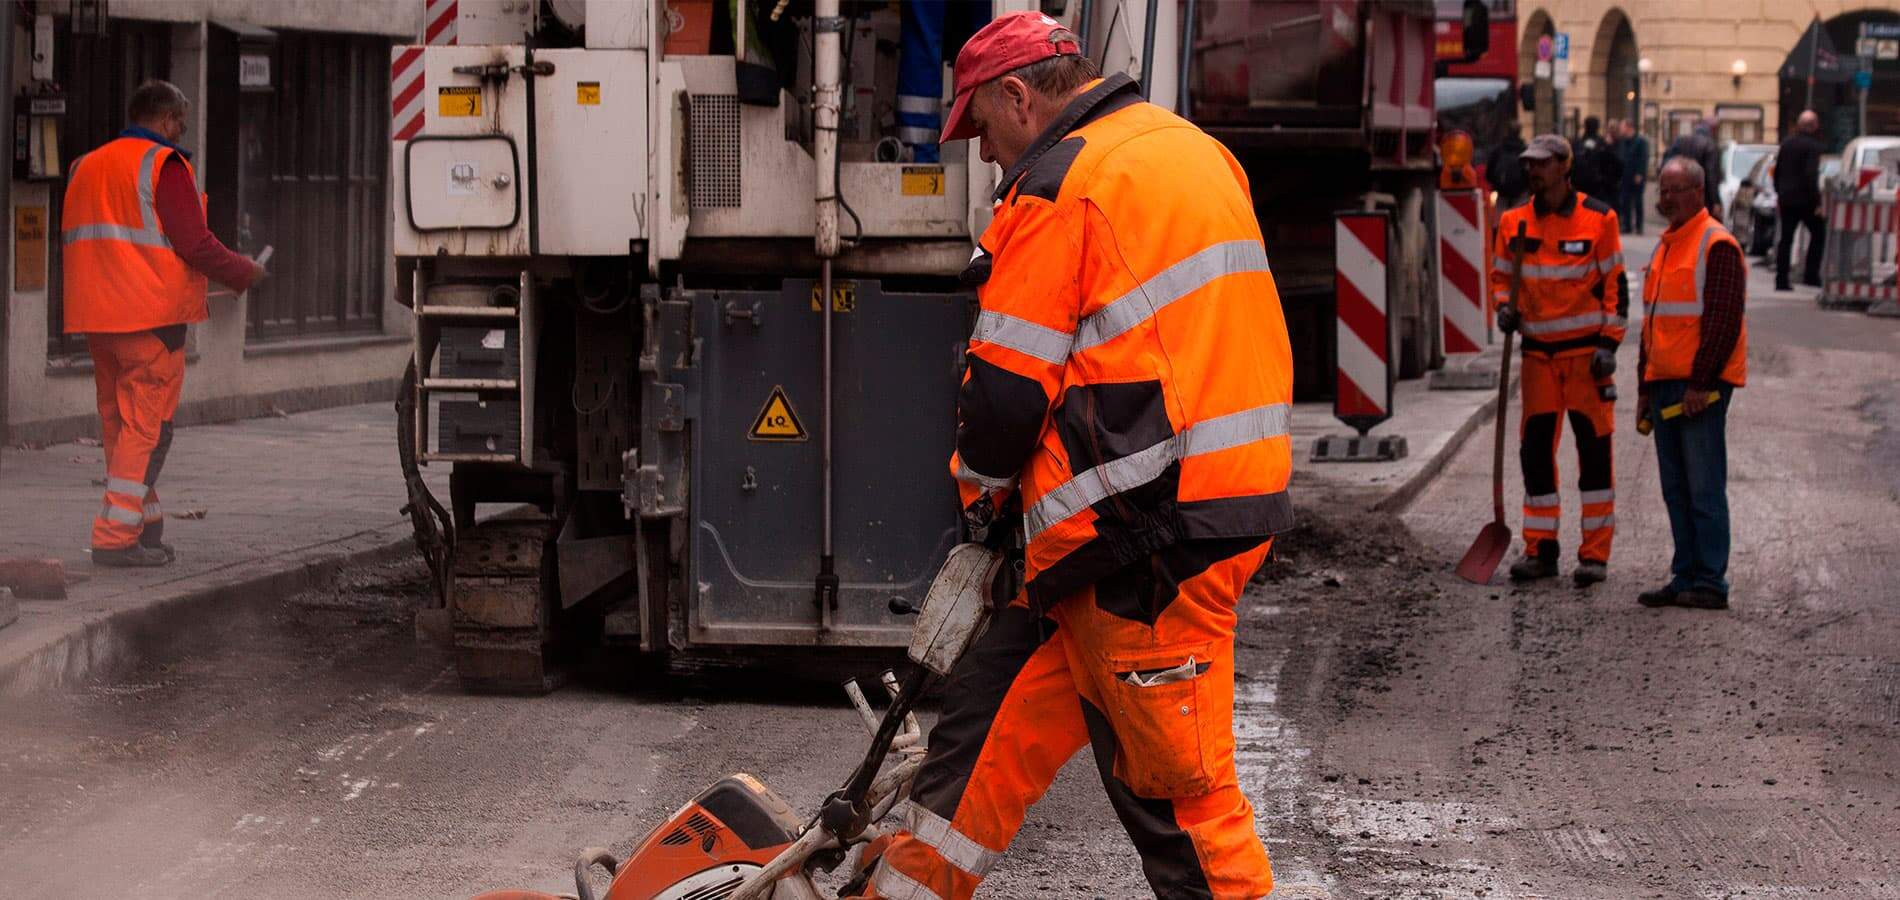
(591, 857)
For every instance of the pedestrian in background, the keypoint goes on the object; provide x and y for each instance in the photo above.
(1633, 150)
(1505, 170)
(1597, 171)
(1572, 309)
(1700, 145)
(137, 254)
(1694, 353)
(1798, 199)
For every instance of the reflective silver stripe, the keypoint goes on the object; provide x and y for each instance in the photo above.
(1567, 323)
(112, 513)
(1682, 308)
(148, 188)
(125, 233)
(958, 848)
(1541, 500)
(1099, 483)
(1540, 523)
(965, 473)
(1594, 522)
(911, 134)
(152, 512)
(1603, 496)
(1609, 263)
(127, 487)
(899, 886)
(1501, 263)
(908, 103)
(1702, 260)
(1574, 270)
(1171, 284)
(1617, 322)
(1022, 336)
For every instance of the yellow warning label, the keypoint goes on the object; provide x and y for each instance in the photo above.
(777, 421)
(844, 297)
(587, 93)
(458, 101)
(923, 181)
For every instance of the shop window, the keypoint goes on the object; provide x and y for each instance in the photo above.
(1739, 123)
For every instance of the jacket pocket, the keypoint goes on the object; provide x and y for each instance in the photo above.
(1156, 702)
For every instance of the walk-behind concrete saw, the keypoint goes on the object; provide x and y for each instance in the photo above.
(738, 841)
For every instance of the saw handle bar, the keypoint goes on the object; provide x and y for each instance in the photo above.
(784, 877)
(848, 811)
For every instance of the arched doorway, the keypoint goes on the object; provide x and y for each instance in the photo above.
(1613, 63)
(1543, 117)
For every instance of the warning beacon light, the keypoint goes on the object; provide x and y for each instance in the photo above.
(1454, 155)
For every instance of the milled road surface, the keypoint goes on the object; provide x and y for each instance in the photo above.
(1403, 734)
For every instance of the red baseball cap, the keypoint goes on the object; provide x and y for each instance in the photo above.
(1008, 43)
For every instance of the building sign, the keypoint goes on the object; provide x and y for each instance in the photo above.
(254, 70)
(29, 248)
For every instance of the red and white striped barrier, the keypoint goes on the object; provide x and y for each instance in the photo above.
(407, 82)
(1364, 391)
(1863, 244)
(1461, 243)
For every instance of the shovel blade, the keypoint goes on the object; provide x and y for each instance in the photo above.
(1481, 561)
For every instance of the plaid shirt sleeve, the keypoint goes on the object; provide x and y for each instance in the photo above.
(1723, 296)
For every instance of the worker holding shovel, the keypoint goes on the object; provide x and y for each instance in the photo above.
(1694, 352)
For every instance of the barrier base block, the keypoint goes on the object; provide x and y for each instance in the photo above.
(1835, 301)
(1359, 448)
(1464, 378)
(1886, 309)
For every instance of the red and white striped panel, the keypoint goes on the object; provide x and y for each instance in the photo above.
(1461, 246)
(1870, 216)
(1364, 392)
(1860, 290)
(439, 16)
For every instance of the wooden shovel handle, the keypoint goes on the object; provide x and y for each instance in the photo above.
(1504, 379)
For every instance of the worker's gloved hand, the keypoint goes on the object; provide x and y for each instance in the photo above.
(1507, 317)
(1603, 363)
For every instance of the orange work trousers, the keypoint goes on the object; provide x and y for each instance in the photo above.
(1553, 387)
(1140, 667)
(139, 378)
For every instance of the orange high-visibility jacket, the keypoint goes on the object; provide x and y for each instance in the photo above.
(1575, 296)
(1672, 302)
(1130, 372)
(121, 274)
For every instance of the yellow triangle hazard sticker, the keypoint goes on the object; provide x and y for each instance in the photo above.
(777, 421)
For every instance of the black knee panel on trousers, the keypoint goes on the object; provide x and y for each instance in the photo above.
(1540, 469)
(1593, 454)
(1168, 857)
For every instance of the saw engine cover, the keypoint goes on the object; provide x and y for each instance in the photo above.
(706, 850)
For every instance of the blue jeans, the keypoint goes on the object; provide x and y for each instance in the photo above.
(1692, 464)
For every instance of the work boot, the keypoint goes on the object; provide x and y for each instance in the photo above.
(1532, 566)
(1781, 284)
(1662, 596)
(1702, 598)
(152, 538)
(1589, 572)
(134, 557)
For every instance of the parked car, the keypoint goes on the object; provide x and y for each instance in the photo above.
(1751, 214)
(1861, 153)
(1737, 160)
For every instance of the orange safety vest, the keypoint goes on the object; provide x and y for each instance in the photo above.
(1575, 295)
(1130, 373)
(1672, 302)
(119, 269)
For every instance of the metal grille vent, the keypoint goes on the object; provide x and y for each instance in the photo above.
(698, 824)
(713, 139)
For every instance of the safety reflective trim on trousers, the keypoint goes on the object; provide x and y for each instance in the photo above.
(1567, 323)
(1129, 472)
(1592, 523)
(127, 487)
(112, 513)
(153, 512)
(938, 834)
(1603, 496)
(1022, 336)
(896, 885)
(988, 482)
(125, 233)
(1540, 523)
(910, 103)
(1541, 500)
(911, 134)
(1171, 284)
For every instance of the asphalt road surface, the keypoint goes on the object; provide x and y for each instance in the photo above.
(1402, 734)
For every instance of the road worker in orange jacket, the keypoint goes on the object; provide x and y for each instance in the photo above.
(1128, 385)
(136, 252)
(1572, 312)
